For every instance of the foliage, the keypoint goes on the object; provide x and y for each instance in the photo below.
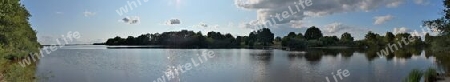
(190, 39)
(346, 37)
(17, 39)
(313, 33)
(430, 75)
(389, 38)
(414, 76)
(442, 26)
(263, 37)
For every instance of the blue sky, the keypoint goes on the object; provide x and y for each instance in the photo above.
(97, 20)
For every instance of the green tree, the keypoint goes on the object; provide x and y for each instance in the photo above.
(329, 40)
(300, 35)
(292, 34)
(428, 38)
(443, 23)
(17, 40)
(372, 39)
(389, 38)
(346, 37)
(265, 37)
(313, 33)
(277, 39)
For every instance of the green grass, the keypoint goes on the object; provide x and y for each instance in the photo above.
(414, 76)
(430, 75)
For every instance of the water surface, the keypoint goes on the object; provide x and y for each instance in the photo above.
(99, 64)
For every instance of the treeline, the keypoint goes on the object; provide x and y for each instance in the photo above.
(190, 39)
(313, 37)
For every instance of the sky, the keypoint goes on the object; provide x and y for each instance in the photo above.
(98, 20)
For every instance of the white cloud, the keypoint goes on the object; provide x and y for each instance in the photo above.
(400, 30)
(88, 13)
(131, 20)
(297, 24)
(334, 27)
(266, 8)
(382, 19)
(337, 29)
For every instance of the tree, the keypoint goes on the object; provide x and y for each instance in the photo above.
(292, 34)
(300, 35)
(313, 33)
(442, 24)
(389, 38)
(329, 40)
(265, 37)
(370, 36)
(251, 39)
(277, 39)
(346, 37)
(428, 38)
(371, 39)
(130, 40)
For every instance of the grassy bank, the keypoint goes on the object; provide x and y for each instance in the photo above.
(17, 39)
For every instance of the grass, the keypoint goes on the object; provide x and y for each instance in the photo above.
(430, 75)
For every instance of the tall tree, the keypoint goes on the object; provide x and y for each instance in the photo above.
(265, 37)
(292, 34)
(313, 33)
(389, 38)
(346, 37)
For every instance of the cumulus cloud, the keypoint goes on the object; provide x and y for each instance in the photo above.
(267, 9)
(336, 29)
(339, 27)
(88, 13)
(173, 22)
(131, 20)
(297, 24)
(382, 19)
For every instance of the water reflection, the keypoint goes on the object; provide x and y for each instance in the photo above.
(370, 54)
(263, 59)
